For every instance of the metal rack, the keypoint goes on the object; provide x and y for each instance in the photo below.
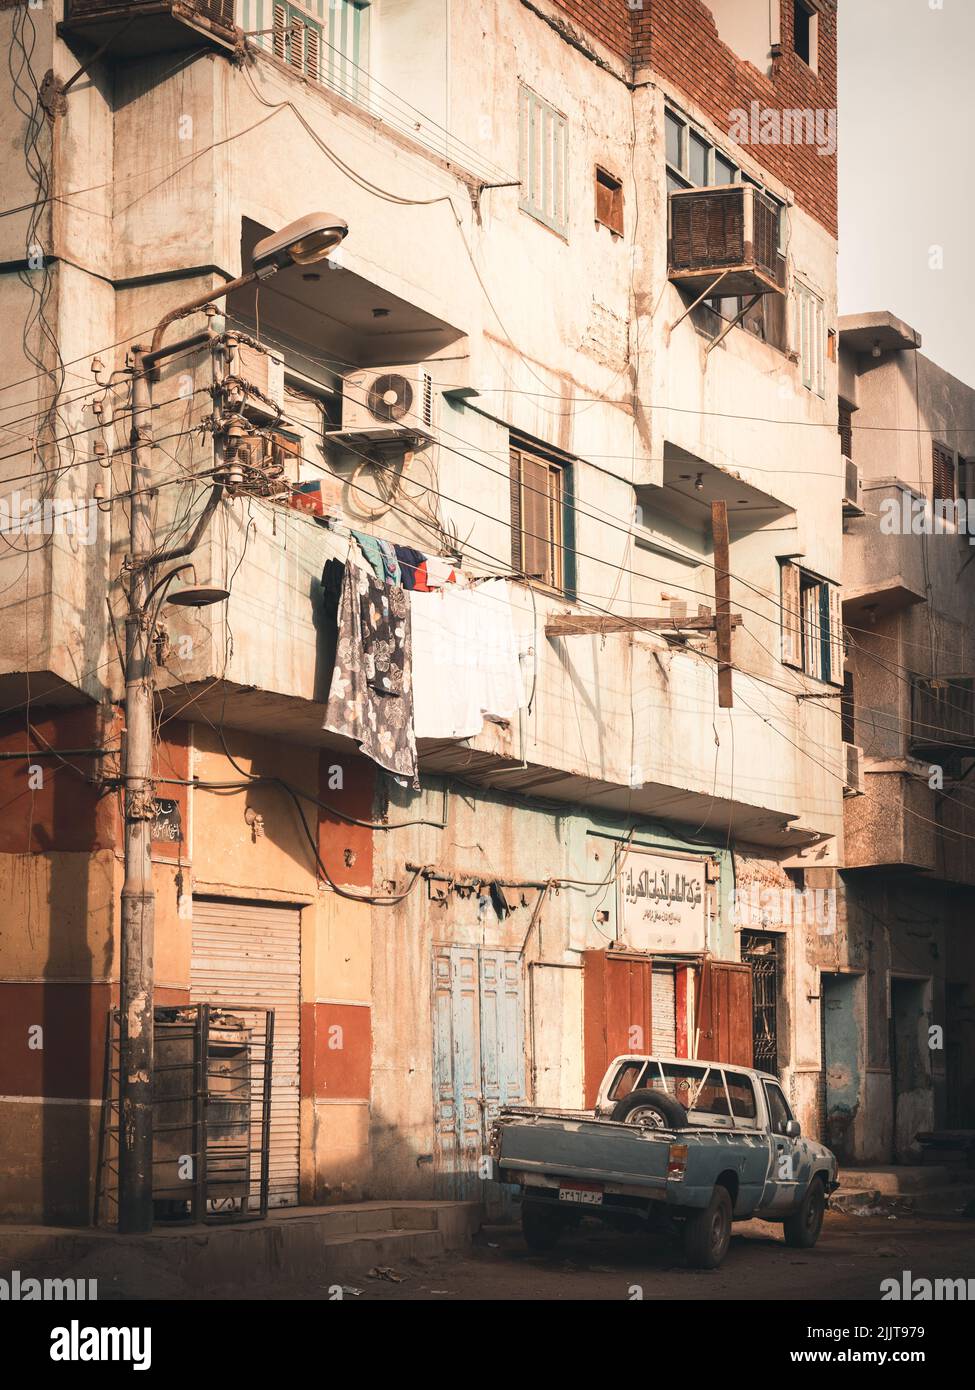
(211, 1114)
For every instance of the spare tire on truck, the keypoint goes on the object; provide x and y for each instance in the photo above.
(655, 1109)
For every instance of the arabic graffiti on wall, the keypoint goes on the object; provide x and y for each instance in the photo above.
(662, 902)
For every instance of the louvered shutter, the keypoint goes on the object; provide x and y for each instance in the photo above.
(791, 616)
(536, 519)
(835, 634)
(517, 559)
(312, 53)
(296, 55)
(280, 33)
(846, 431)
(943, 468)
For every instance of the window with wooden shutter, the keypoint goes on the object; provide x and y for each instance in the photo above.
(537, 502)
(943, 469)
(791, 616)
(337, 56)
(845, 428)
(609, 201)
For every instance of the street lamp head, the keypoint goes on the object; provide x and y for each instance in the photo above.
(304, 242)
(197, 597)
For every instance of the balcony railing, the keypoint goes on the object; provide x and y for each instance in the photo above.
(132, 28)
(728, 236)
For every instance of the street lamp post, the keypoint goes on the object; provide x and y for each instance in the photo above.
(303, 242)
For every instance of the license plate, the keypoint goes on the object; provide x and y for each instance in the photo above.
(578, 1192)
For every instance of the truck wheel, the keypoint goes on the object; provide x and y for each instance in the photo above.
(541, 1226)
(802, 1228)
(707, 1233)
(647, 1107)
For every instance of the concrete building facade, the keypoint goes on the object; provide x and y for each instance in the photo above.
(527, 186)
(901, 1058)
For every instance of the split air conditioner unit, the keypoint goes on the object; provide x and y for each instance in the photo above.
(396, 403)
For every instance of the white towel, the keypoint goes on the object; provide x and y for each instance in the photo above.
(465, 660)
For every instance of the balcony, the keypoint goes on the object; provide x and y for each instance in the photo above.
(134, 28)
(725, 238)
(902, 823)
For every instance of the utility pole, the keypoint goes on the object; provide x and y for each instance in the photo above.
(310, 239)
(138, 898)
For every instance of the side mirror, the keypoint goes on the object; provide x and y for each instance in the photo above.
(792, 1129)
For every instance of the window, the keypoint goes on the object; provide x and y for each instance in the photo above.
(626, 1081)
(810, 338)
(812, 624)
(333, 50)
(848, 710)
(779, 1113)
(805, 23)
(845, 428)
(297, 40)
(538, 509)
(944, 487)
(543, 149)
(693, 161)
(742, 1096)
(609, 201)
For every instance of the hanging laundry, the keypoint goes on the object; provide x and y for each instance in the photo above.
(465, 662)
(370, 697)
(370, 551)
(410, 562)
(391, 570)
(439, 572)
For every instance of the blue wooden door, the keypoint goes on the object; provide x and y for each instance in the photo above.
(479, 1060)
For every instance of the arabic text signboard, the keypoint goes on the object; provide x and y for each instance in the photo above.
(662, 902)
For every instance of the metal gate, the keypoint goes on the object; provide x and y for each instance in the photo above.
(760, 951)
(663, 1014)
(250, 953)
(479, 1057)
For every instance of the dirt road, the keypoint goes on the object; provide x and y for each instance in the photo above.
(853, 1256)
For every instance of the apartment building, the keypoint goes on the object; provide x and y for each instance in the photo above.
(579, 348)
(898, 1007)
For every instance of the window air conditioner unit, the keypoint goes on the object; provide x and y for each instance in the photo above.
(852, 489)
(392, 404)
(852, 770)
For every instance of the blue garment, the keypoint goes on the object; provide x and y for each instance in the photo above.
(410, 561)
(391, 570)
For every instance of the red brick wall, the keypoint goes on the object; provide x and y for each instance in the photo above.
(608, 20)
(678, 40)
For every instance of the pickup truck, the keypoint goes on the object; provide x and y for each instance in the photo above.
(672, 1145)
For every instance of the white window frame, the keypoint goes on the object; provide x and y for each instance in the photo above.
(543, 161)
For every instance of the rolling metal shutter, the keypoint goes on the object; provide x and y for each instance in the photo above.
(250, 953)
(664, 1013)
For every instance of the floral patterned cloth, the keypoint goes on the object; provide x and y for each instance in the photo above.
(370, 698)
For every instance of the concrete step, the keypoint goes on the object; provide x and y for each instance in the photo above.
(293, 1245)
(900, 1179)
(953, 1199)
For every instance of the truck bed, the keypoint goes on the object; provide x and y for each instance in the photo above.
(566, 1144)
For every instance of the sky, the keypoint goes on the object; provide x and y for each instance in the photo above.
(907, 169)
